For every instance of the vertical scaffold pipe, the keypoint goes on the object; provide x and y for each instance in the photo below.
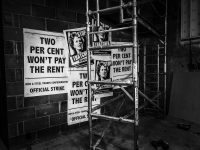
(88, 74)
(135, 73)
(97, 7)
(121, 12)
(158, 73)
(165, 63)
(144, 70)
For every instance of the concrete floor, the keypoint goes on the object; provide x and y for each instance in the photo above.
(120, 136)
(2, 146)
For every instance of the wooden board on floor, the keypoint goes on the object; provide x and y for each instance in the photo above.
(185, 96)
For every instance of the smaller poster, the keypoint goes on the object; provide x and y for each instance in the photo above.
(76, 42)
(122, 64)
(101, 39)
(103, 72)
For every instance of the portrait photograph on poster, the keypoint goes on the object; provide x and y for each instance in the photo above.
(103, 38)
(103, 73)
(76, 42)
(103, 70)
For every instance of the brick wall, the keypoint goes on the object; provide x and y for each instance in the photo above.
(29, 118)
(35, 114)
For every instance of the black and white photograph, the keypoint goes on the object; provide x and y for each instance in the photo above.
(100, 75)
(76, 41)
(103, 73)
(102, 70)
(101, 37)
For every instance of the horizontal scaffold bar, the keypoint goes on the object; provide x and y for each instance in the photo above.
(112, 30)
(107, 102)
(110, 46)
(154, 55)
(155, 73)
(112, 118)
(110, 83)
(150, 82)
(141, 21)
(111, 8)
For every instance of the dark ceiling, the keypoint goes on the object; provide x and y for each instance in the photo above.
(151, 12)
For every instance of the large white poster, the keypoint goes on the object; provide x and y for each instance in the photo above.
(45, 63)
(106, 65)
(77, 87)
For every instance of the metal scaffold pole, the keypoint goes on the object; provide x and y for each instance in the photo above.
(134, 82)
(165, 61)
(135, 73)
(88, 73)
(148, 74)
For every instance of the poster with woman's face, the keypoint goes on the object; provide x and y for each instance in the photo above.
(102, 70)
(76, 41)
(103, 38)
(103, 73)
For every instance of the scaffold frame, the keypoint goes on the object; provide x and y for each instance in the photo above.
(135, 69)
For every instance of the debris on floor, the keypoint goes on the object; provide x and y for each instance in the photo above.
(154, 134)
(160, 143)
(183, 126)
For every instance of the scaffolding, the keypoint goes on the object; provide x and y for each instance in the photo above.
(153, 75)
(134, 84)
(153, 64)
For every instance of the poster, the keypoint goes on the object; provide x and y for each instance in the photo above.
(122, 64)
(103, 63)
(106, 65)
(100, 39)
(77, 89)
(76, 45)
(78, 98)
(45, 63)
(115, 65)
